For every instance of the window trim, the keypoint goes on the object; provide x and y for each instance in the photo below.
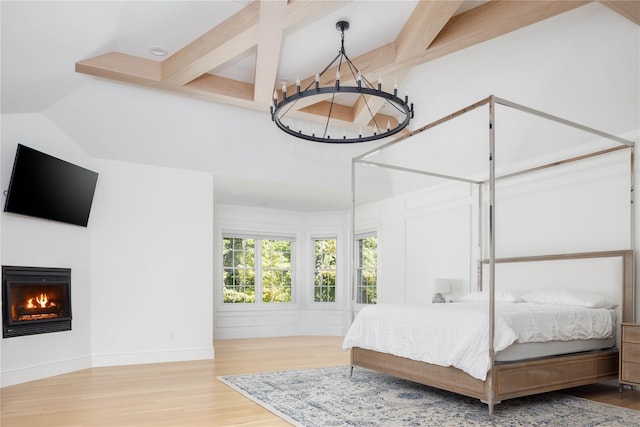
(357, 237)
(312, 252)
(259, 304)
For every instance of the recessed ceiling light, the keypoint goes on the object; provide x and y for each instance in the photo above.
(158, 50)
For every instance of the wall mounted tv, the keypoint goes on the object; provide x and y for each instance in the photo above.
(47, 187)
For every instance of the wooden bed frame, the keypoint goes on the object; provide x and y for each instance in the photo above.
(507, 380)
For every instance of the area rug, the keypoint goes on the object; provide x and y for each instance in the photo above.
(330, 397)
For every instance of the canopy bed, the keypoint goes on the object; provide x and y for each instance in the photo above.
(499, 363)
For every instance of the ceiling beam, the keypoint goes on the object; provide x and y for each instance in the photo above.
(470, 28)
(489, 21)
(375, 59)
(222, 43)
(231, 38)
(475, 26)
(299, 12)
(626, 8)
(122, 67)
(270, 32)
(426, 21)
(430, 33)
(422, 27)
(222, 89)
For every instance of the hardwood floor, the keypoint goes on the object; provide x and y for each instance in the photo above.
(608, 393)
(188, 393)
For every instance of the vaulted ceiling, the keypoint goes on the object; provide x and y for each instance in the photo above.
(92, 70)
(420, 31)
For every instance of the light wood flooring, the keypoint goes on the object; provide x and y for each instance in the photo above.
(188, 393)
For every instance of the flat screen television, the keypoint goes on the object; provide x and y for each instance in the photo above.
(46, 187)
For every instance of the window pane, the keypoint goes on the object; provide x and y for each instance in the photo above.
(324, 275)
(367, 271)
(271, 277)
(276, 270)
(239, 273)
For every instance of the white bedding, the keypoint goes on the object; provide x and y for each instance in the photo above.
(457, 334)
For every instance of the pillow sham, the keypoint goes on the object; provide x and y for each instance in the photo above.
(484, 297)
(578, 298)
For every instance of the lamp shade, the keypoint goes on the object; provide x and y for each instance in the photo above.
(441, 286)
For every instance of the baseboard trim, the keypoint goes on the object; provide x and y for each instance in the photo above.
(141, 358)
(32, 373)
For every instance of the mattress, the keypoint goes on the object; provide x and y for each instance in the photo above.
(531, 350)
(458, 334)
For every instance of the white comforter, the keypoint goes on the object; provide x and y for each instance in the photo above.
(457, 334)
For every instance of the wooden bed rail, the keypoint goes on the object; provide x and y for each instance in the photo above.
(507, 380)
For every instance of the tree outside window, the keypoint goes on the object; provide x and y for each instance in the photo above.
(367, 269)
(276, 271)
(239, 270)
(268, 281)
(324, 270)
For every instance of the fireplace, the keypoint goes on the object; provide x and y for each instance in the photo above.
(35, 300)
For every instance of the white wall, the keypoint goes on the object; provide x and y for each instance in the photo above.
(582, 65)
(139, 269)
(151, 256)
(530, 67)
(603, 51)
(40, 243)
(577, 207)
(423, 235)
(302, 316)
(143, 271)
(440, 240)
(582, 206)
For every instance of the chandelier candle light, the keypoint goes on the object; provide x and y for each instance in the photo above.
(364, 90)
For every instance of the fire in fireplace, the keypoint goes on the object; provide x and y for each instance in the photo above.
(35, 300)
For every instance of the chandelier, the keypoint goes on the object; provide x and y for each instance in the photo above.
(378, 126)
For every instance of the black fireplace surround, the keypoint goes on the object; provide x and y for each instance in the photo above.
(35, 300)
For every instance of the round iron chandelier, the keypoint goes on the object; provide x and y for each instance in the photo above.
(364, 91)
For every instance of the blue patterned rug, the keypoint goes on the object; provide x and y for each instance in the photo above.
(329, 397)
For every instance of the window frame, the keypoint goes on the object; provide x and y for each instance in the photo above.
(258, 304)
(236, 269)
(312, 286)
(357, 267)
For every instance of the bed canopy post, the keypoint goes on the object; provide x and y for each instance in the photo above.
(479, 243)
(492, 252)
(541, 375)
(632, 197)
(632, 232)
(352, 273)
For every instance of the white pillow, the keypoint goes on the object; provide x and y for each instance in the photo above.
(484, 297)
(582, 299)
